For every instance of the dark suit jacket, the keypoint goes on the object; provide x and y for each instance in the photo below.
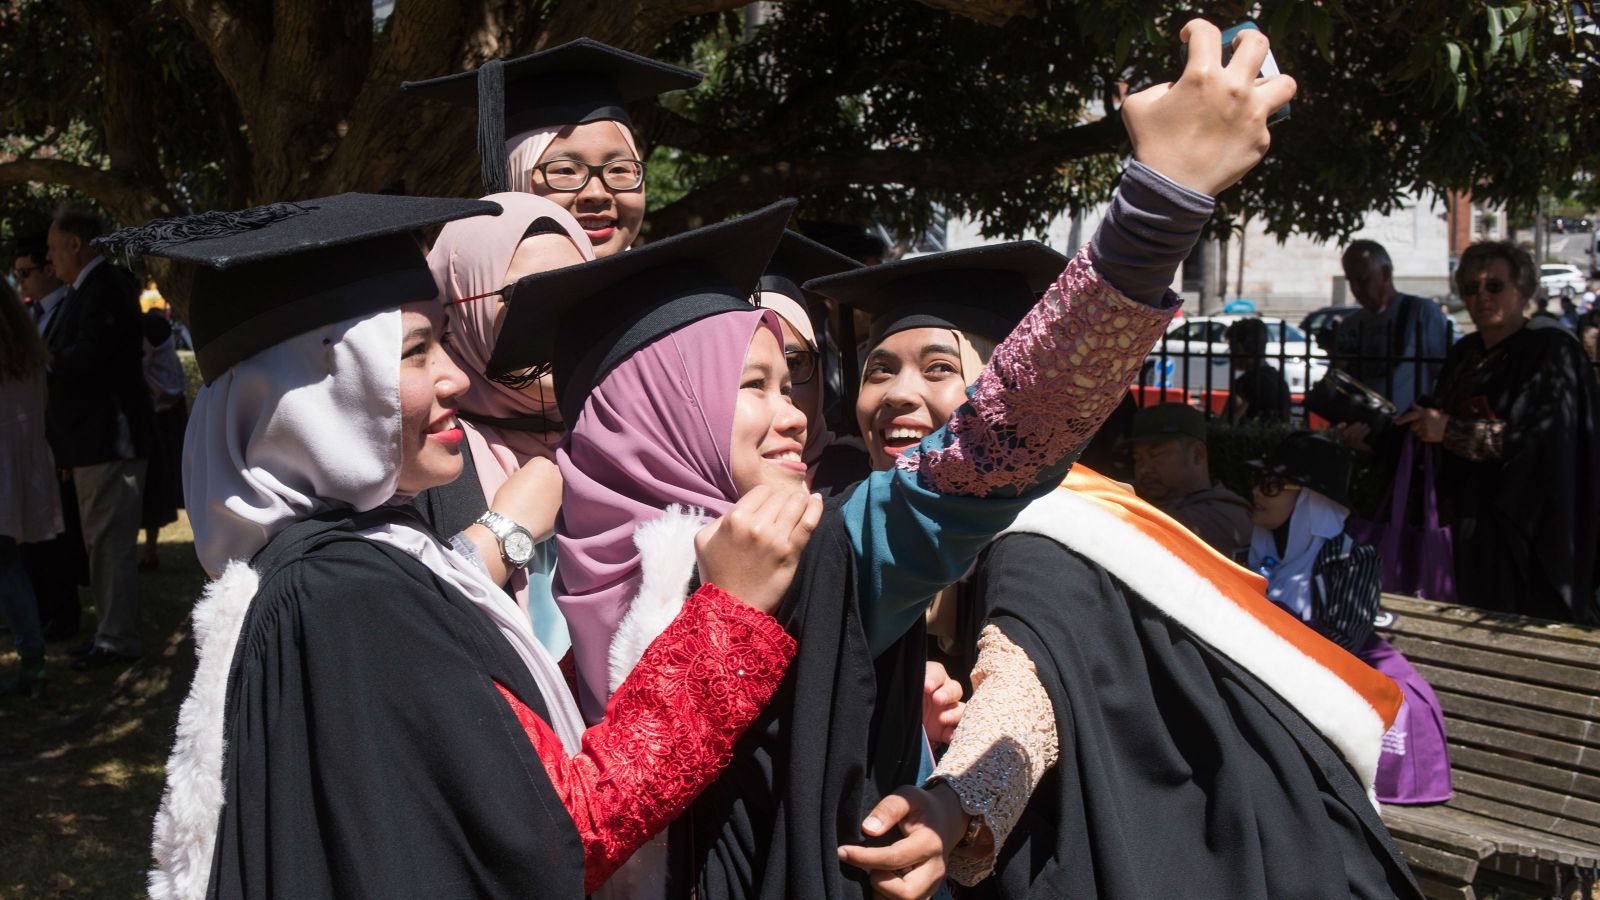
(96, 359)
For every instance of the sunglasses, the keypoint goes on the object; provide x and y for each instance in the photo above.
(1492, 286)
(1271, 484)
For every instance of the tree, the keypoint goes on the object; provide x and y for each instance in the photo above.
(1001, 109)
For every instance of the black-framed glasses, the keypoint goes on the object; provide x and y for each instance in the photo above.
(570, 176)
(802, 364)
(21, 272)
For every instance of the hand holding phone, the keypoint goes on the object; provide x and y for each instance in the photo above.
(1209, 128)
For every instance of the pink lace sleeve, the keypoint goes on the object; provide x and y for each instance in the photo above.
(1047, 389)
(668, 731)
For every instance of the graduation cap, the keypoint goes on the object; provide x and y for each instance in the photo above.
(581, 321)
(272, 272)
(577, 82)
(980, 290)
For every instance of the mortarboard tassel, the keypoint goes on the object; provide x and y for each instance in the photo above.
(164, 233)
(492, 125)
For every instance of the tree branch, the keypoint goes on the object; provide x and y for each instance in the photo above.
(987, 12)
(637, 25)
(756, 184)
(107, 188)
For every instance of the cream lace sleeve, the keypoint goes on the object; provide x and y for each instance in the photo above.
(1006, 742)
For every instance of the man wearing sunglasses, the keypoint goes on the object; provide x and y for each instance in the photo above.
(36, 280)
(1172, 470)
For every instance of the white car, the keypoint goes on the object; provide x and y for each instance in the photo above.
(1194, 345)
(1555, 276)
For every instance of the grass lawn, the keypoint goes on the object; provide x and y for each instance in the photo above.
(81, 770)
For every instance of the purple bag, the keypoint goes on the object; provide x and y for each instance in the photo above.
(1417, 562)
(1414, 766)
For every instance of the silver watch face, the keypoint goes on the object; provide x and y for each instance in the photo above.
(518, 547)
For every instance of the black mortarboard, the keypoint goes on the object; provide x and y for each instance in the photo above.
(577, 82)
(272, 272)
(981, 290)
(580, 321)
(1313, 460)
(797, 260)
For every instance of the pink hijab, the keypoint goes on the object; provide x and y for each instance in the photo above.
(526, 150)
(657, 430)
(470, 259)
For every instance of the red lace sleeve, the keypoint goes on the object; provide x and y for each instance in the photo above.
(668, 730)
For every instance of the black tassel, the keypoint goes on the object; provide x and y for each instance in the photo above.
(164, 233)
(492, 125)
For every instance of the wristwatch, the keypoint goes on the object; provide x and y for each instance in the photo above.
(516, 542)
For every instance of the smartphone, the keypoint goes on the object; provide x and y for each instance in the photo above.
(1269, 66)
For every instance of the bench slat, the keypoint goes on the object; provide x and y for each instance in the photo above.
(1583, 706)
(1492, 621)
(1518, 717)
(1512, 642)
(1494, 808)
(1455, 868)
(1507, 838)
(1423, 830)
(1461, 731)
(1439, 890)
(1497, 765)
(1456, 656)
(1569, 809)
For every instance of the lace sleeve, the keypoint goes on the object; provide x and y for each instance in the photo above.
(1006, 742)
(1475, 439)
(668, 731)
(1047, 389)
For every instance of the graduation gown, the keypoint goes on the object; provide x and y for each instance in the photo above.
(1180, 774)
(366, 750)
(843, 730)
(1524, 526)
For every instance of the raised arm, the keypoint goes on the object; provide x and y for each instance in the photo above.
(1050, 385)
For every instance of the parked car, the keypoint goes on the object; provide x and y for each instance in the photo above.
(1321, 323)
(1195, 345)
(1555, 276)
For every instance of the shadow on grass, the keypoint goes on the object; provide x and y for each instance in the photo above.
(81, 771)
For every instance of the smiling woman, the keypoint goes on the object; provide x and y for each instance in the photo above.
(555, 123)
(341, 636)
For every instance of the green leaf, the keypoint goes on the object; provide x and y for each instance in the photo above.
(1453, 51)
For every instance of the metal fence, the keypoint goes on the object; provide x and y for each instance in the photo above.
(1194, 364)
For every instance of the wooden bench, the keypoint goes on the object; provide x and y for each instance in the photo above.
(1521, 699)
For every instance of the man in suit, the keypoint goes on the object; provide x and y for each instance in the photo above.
(57, 566)
(97, 421)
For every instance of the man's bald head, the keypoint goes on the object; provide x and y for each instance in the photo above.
(1370, 274)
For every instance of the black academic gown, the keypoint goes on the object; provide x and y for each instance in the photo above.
(1526, 526)
(368, 753)
(842, 731)
(1180, 774)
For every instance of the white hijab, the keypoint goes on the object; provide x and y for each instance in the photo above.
(1315, 519)
(313, 424)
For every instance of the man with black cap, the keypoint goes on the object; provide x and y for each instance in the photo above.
(1172, 469)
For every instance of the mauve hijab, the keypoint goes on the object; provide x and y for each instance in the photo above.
(657, 430)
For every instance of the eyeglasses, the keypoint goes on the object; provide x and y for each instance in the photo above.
(1271, 484)
(570, 176)
(1493, 286)
(802, 365)
(21, 272)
